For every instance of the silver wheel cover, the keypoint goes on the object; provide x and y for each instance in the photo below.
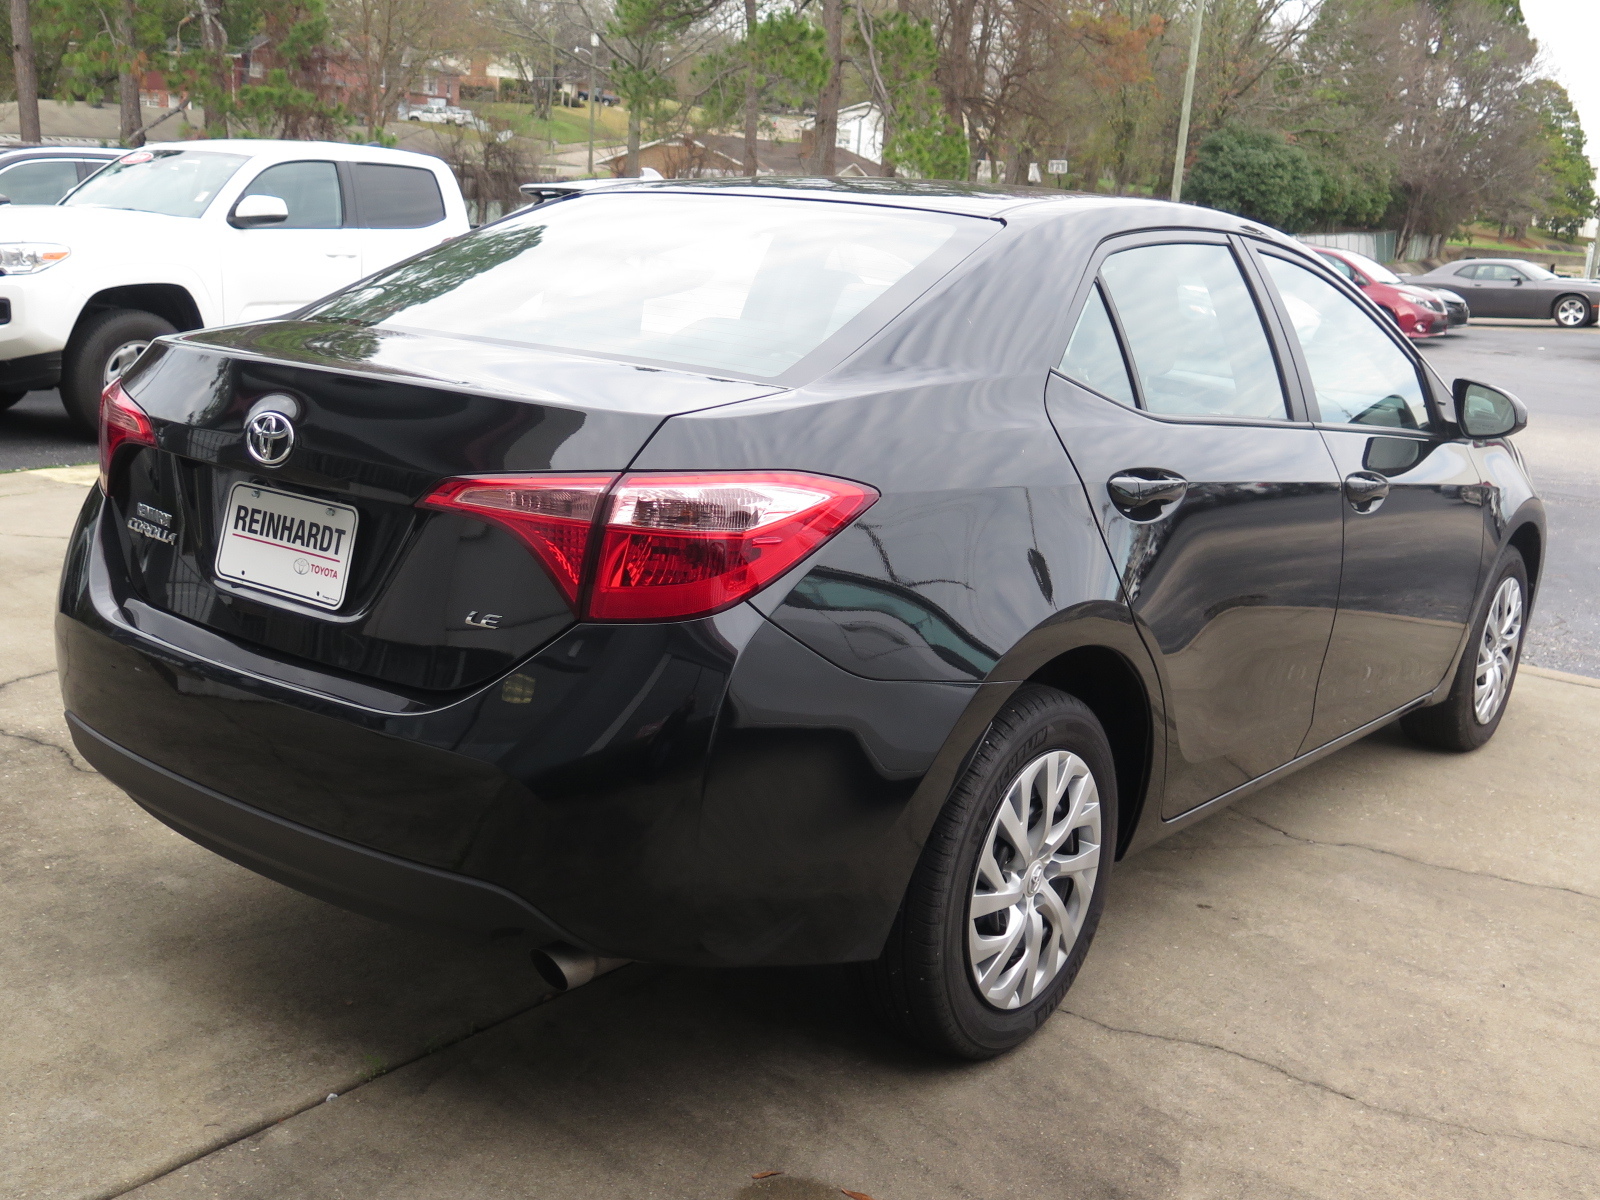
(123, 357)
(1034, 880)
(1497, 651)
(1571, 312)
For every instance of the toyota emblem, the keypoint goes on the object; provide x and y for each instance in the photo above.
(269, 437)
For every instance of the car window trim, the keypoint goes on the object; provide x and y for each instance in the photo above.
(1374, 314)
(344, 201)
(1296, 413)
(1129, 366)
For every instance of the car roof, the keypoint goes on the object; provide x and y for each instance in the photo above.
(285, 150)
(966, 199)
(105, 152)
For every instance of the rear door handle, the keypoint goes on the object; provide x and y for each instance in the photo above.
(1365, 490)
(1141, 495)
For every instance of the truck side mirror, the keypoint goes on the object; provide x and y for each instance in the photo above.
(254, 211)
(1487, 412)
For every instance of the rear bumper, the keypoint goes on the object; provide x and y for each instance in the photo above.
(710, 792)
(343, 873)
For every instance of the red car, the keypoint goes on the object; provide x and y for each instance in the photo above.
(1420, 312)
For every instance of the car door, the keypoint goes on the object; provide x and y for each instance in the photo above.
(399, 211)
(1218, 501)
(272, 269)
(1413, 518)
(1504, 291)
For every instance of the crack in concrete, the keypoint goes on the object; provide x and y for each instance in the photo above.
(1421, 862)
(1330, 1089)
(229, 1141)
(61, 750)
(24, 678)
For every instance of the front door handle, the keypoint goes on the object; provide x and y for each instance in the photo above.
(1143, 495)
(1365, 490)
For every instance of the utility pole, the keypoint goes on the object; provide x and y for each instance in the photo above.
(26, 71)
(594, 42)
(1188, 104)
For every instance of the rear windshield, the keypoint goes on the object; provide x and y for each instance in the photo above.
(178, 183)
(716, 282)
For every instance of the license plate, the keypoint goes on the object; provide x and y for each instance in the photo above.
(287, 544)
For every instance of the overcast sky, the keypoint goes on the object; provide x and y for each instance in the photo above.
(1569, 37)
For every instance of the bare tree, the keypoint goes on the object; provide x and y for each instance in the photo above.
(26, 71)
(395, 43)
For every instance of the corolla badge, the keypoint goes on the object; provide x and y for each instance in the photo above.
(269, 437)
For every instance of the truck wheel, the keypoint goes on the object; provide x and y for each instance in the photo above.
(1004, 903)
(100, 349)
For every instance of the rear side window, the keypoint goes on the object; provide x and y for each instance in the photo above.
(310, 189)
(1361, 377)
(1194, 332)
(1094, 357)
(1468, 272)
(43, 181)
(390, 197)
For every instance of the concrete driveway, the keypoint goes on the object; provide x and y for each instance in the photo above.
(1378, 978)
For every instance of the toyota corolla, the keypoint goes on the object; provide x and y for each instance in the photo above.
(805, 572)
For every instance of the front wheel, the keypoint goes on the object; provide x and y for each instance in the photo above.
(1573, 312)
(1008, 893)
(1471, 712)
(101, 349)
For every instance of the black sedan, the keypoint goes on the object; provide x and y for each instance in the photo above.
(1512, 287)
(724, 573)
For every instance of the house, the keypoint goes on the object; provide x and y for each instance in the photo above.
(719, 155)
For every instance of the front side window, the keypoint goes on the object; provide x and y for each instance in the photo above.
(1360, 376)
(43, 181)
(716, 282)
(1339, 265)
(1194, 332)
(309, 189)
(176, 183)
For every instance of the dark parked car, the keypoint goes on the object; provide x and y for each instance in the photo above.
(805, 572)
(1419, 312)
(44, 174)
(1511, 287)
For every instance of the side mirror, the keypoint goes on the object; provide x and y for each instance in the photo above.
(255, 211)
(1487, 412)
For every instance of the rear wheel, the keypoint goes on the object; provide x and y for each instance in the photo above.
(1009, 890)
(1573, 312)
(1471, 713)
(102, 348)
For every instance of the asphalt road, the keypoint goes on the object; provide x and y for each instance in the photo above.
(1557, 374)
(35, 432)
(1556, 371)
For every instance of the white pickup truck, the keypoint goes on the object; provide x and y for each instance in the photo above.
(184, 235)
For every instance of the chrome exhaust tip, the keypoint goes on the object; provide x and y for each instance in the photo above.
(565, 967)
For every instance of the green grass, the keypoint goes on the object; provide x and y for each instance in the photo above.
(565, 126)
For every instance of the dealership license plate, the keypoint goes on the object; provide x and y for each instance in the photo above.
(287, 544)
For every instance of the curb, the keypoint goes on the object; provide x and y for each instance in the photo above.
(1562, 676)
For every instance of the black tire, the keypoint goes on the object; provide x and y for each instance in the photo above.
(1454, 724)
(90, 348)
(923, 986)
(1572, 312)
(7, 399)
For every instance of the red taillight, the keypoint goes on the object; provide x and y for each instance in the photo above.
(686, 545)
(121, 422)
(673, 546)
(552, 514)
